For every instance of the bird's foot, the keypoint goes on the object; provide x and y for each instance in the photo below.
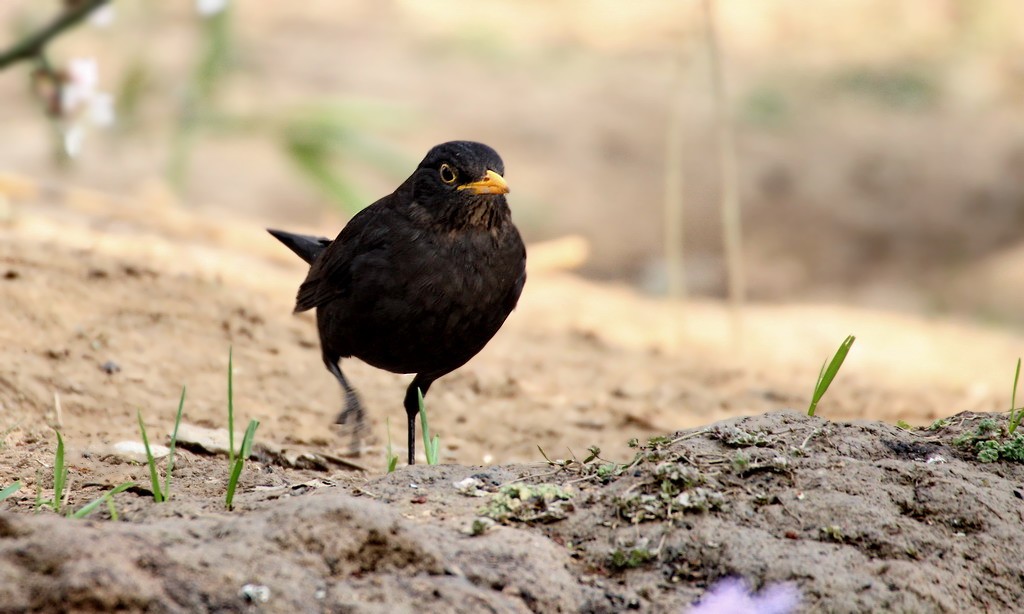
(353, 417)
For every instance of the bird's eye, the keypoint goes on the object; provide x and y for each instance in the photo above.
(447, 174)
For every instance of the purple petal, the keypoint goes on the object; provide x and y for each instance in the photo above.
(733, 596)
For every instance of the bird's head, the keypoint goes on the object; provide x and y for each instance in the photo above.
(459, 176)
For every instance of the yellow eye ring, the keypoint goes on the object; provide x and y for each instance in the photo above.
(448, 174)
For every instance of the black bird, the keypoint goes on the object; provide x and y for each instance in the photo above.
(419, 281)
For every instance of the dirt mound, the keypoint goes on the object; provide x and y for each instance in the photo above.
(863, 517)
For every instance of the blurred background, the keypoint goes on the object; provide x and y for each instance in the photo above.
(879, 144)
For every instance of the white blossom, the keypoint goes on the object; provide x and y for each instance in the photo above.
(82, 103)
(73, 137)
(733, 596)
(104, 16)
(209, 8)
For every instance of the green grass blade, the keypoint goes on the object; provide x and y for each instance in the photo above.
(392, 458)
(10, 490)
(828, 373)
(112, 509)
(1016, 379)
(236, 468)
(821, 376)
(60, 474)
(154, 479)
(250, 435)
(231, 407)
(174, 442)
(430, 445)
(1015, 415)
(815, 396)
(91, 506)
(236, 472)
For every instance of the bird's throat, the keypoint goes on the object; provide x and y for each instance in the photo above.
(482, 213)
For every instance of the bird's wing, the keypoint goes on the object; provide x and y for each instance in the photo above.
(362, 240)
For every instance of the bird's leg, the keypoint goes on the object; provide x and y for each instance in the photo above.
(412, 407)
(353, 406)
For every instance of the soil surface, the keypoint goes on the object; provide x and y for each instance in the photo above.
(880, 166)
(106, 310)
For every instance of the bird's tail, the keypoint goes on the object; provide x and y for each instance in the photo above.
(305, 246)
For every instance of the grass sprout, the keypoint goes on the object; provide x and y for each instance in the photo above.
(236, 467)
(107, 497)
(60, 478)
(392, 458)
(236, 462)
(828, 373)
(1016, 413)
(61, 491)
(60, 474)
(162, 494)
(154, 479)
(10, 490)
(173, 445)
(431, 447)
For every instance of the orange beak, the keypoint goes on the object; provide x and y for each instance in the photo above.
(492, 183)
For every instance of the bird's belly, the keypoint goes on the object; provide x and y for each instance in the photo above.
(431, 324)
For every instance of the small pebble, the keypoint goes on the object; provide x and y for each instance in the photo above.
(136, 450)
(470, 487)
(256, 593)
(110, 367)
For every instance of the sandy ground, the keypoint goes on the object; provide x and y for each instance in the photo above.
(852, 512)
(880, 166)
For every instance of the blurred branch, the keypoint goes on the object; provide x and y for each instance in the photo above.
(34, 45)
(731, 219)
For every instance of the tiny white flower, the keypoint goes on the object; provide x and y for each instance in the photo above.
(103, 17)
(81, 103)
(74, 136)
(101, 110)
(209, 8)
(77, 91)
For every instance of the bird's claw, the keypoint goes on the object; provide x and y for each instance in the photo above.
(353, 412)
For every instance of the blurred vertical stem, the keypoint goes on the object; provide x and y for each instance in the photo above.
(212, 66)
(46, 73)
(731, 219)
(674, 195)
